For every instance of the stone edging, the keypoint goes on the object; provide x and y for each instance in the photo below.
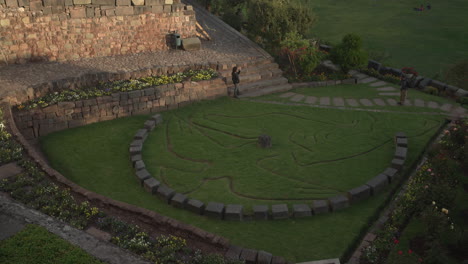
(234, 212)
(147, 216)
(419, 82)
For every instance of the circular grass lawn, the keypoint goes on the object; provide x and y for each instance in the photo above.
(209, 151)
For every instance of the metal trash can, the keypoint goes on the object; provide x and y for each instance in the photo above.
(177, 40)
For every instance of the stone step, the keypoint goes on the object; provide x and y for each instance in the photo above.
(250, 87)
(250, 69)
(244, 78)
(267, 90)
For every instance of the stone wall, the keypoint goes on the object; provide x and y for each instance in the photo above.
(41, 121)
(61, 30)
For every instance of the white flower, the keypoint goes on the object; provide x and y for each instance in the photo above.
(2, 126)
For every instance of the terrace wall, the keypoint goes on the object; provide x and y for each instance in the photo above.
(42, 121)
(62, 30)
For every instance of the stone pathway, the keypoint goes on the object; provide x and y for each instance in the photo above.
(14, 216)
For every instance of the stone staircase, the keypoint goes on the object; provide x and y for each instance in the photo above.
(259, 73)
(259, 77)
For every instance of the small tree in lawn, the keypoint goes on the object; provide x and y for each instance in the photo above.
(349, 54)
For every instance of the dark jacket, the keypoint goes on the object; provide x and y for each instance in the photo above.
(404, 84)
(235, 77)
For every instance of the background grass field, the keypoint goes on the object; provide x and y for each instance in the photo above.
(394, 33)
(96, 157)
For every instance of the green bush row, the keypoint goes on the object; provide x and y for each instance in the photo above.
(108, 88)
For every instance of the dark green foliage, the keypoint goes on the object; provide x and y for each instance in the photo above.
(270, 20)
(349, 54)
(457, 74)
(35, 245)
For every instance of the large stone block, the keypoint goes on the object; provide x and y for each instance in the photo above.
(142, 175)
(123, 3)
(400, 153)
(424, 82)
(359, 193)
(154, 2)
(165, 193)
(398, 164)
(301, 210)
(320, 206)
(139, 165)
(234, 212)
(81, 2)
(157, 118)
(402, 142)
(151, 185)
(195, 206)
(439, 85)
(191, 44)
(215, 210)
(339, 202)
(142, 10)
(124, 10)
(461, 93)
(264, 257)
(260, 212)
(77, 12)
(141, 134)
(400, 135)
(137, 142)
(249, 255)
(138, 2)
(391, 173)
(279, 211)
(11, 3)
(150, 125)
(35, 6)
(233, 253)
(103, 2)
(378, 183)
(374, 65)
(179, 200)
(135, 149)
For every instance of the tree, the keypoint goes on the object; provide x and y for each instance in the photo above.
(270, 20)
(349, 54)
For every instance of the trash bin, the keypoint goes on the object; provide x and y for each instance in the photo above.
(177, 40)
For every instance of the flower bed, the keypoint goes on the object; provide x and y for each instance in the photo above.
(108, 88)
(429, 200)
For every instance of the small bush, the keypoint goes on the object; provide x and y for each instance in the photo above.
(349, 54)
(431, 90)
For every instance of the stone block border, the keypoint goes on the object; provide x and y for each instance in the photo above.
(234, 212)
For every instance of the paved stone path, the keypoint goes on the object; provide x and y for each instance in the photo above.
(354, 103)
(14, 216)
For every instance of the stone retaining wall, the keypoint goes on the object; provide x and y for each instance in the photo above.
(42, 121)
(61, 30)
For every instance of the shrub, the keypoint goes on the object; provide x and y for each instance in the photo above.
(349, 54)
(457, 74)
(270, 20)
(431, 90)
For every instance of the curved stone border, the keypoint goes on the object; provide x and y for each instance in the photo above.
(143, 215)
(234, 212)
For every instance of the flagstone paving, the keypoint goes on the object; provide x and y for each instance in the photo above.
(391, 101)
(338, 101)
(386, 89)
(325, 100)
(432, 104)
(311, 99)
(286, 95)
(389, 94)
(365, 102)
(368, 80)
(379, 102)
(380, 83)
(419, 103)
(352, 102)
(297, 98)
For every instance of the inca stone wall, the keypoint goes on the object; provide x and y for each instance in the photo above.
(41, 121)
(61, 30)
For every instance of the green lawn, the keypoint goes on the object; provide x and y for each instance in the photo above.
(96, 157)
(36, 245)
(429, 40)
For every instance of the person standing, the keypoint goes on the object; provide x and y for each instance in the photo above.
(403, 89)
(235, 81)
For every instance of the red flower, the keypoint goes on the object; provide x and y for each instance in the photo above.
(410, 251)
(395, 241)
(419, 260)
(400, 252)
